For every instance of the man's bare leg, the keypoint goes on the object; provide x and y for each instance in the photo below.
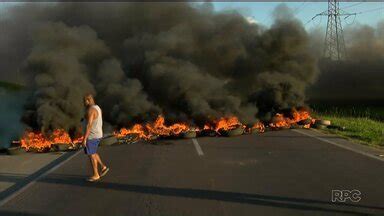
(100, 162)
(94, 166)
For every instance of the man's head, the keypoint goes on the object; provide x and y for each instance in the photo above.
(88, 100)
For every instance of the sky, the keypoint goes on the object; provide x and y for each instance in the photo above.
(304, 10)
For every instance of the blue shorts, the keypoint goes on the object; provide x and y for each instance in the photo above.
(91, 146)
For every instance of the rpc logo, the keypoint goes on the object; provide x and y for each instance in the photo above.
(344, 195)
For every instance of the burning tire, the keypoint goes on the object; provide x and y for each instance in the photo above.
(77, 146)
(61, 146)
(15, 151)
(294, 126)
(108, 141)
(234, 132)
(188, 134)
(255, 131)
(305, 122)
(208, 132)
(323, 122)
(129, 139)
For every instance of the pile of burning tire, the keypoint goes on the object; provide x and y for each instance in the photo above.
(109, 140)
(58, 147)
(112, 140)
(60, 141)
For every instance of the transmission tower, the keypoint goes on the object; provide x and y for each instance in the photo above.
(334, 45)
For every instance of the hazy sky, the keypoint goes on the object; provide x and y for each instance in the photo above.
(304, 10)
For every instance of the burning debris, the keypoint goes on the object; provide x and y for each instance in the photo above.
(159, 129)
(39, 142)
(258, 127)
(60, 140)
(219, 127)
(142, 64)
(301, 117)
(207, 73)
(151, 131)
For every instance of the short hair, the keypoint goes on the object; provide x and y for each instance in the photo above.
(88, 96)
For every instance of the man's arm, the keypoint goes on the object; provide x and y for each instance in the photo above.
(91, 115)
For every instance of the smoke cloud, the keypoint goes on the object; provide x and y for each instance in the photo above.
(358, 79)
(145, 59)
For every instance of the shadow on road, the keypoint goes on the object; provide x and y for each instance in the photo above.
(11, 177)
(12, 213)
(21, 180)
(253, 199)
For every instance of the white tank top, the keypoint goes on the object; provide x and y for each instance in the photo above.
(97, 125)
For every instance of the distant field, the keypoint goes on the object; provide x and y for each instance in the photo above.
(362, 123)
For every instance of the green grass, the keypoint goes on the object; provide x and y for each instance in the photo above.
(363, 124)
(361, 111)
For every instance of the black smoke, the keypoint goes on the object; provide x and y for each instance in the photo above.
(359, 78)
(144, 59)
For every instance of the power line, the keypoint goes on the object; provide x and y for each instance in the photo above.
(371, 10)
(311, 20)
(297, 10)
(349, 6)
(354, 18)
(347, 15)
(334, 48)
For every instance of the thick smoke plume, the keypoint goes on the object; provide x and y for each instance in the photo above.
(145, 59)
(359, 79)
(65, 63)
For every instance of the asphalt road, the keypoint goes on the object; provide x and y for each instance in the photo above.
(275, 173)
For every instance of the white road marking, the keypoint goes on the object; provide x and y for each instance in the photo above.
(25, 187)
(197, 147)
(340, 145)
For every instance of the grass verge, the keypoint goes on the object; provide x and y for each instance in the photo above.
(365, 130)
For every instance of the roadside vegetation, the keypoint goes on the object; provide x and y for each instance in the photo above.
(364, 124)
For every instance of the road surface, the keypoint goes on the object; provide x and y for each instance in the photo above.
(276, 173)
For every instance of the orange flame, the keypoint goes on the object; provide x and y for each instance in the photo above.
(258, 126)
(296, 116)
(158, 128)
(136, 129)
(39, 141)
(228, 123)
(224, 123)
(161, 129)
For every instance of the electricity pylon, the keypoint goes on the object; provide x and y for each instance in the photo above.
(334, 45)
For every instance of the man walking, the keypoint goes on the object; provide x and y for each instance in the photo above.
(92, 136)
